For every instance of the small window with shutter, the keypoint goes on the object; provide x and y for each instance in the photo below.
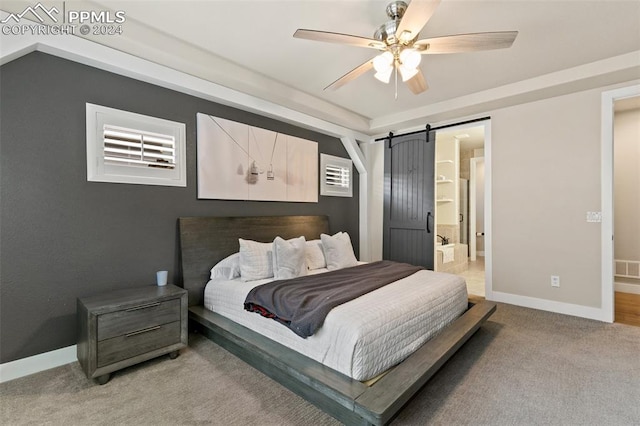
(336, 176)
(125, 147)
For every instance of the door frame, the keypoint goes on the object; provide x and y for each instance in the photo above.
(473, 208)
(607, 231)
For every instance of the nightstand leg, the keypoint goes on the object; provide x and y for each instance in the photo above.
(174, 354)
(103, 379)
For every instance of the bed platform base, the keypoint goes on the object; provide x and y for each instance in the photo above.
(346, 399)
(206, 240)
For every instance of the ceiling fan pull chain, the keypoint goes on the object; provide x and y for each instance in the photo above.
(396, 72)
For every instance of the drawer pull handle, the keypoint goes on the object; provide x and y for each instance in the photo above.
(144, 330)
(148, 305)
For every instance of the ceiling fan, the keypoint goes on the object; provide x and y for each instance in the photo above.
(401, 49)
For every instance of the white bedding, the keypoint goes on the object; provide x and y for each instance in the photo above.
(366, 336)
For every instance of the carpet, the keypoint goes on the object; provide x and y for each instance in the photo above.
(523, 367)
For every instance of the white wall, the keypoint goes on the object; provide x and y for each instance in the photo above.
(546, 176)
(374, 155)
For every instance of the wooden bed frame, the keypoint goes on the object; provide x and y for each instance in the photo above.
(206, 240)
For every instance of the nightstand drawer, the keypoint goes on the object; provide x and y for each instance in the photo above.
(137, 342)
(137, 318)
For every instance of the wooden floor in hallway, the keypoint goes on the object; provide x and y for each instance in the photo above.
(627, 308)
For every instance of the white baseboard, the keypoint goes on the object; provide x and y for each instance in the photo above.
(550, 306)
(627, 288)
(37, 363)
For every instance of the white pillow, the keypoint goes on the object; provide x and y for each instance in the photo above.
(228, 268)
(256, 260)
(314, 255)
(338, 251)
(289, 258)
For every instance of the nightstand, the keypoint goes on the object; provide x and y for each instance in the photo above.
(125, 327)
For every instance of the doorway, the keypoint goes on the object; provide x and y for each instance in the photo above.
(607, 229)
(463, 204)
(626, 200)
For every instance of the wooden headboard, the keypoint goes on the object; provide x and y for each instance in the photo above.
(204, 241)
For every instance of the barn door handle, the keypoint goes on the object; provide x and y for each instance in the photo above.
(428, 229)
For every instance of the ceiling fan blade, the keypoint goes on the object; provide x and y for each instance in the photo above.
(417, 83)
(339, 38)
(351, 75)
(415, 17)
(466, 42)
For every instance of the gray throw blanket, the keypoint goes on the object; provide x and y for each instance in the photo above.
(303, 303)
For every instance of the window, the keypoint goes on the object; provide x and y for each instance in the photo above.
(124, 147)
(336, 176)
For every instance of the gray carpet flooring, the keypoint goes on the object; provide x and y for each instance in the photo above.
(523, 367)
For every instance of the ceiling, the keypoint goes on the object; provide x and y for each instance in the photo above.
(247, 45)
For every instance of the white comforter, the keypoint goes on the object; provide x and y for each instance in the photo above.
(366, 336)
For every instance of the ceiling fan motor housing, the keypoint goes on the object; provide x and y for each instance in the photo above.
(396, 9)
(387, 31)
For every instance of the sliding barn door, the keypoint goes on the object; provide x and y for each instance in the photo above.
(409, 199)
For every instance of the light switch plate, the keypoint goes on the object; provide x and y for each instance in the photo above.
(594, 216)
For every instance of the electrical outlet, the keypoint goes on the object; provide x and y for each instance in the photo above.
(555, 281)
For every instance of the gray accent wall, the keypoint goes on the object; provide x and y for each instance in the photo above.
(62, 237)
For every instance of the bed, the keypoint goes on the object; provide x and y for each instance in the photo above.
(206, 240)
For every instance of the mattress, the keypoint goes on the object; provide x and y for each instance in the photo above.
(365, 336)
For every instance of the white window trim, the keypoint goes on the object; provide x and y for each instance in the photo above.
(99, 170)
(336, 178)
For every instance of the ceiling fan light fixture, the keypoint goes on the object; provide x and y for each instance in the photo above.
(384, 75)
(406, 72)
(383, 62)
(410, 58)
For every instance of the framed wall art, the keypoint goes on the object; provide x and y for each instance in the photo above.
(241, 162)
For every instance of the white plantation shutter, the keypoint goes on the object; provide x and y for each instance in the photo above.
(336, 176)
(125, 147)
(138, 148)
